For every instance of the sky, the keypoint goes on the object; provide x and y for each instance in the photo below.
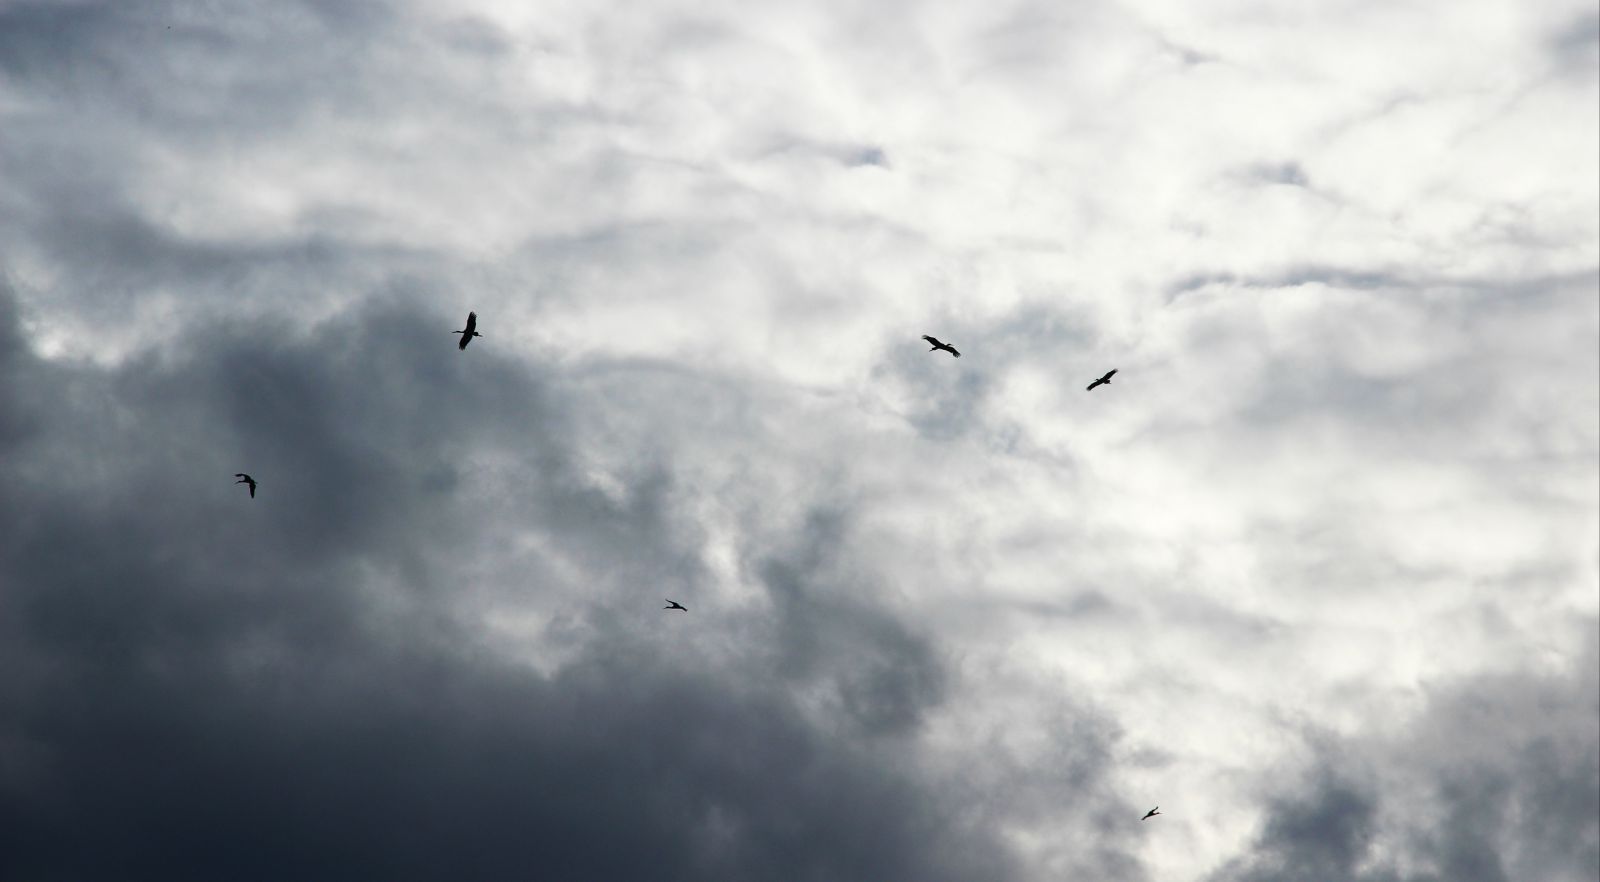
(1318, 573)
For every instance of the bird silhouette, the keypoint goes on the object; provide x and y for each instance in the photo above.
(246, 479)
(469, 332)
(673, 604)
(1103, 381)
(937, 345)
(1150, 814)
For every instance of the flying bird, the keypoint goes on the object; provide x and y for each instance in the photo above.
(470, 331)
(673, 604)
(1103, 381)
(937, 345)
(246, 479)
(1150, 814)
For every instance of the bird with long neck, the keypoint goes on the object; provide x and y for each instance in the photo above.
(470, 331)
(938, 345)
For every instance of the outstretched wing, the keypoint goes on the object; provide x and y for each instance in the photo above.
(472, 323)
(241, 475)
(933, 340)
(252, 489)
(1107, 377)
(1094, 384)
(953, 351)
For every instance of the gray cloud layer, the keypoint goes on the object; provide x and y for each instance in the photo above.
(1317, 573)
(1494, 782)
(202, 688)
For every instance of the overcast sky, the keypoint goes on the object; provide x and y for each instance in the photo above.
(1318, 573)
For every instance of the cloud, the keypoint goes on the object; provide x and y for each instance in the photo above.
(949, 618)
(1289, 173)
(1496, 780)
(1578, 43)
(208, 685)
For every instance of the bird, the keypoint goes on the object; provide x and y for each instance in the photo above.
(937, 345)
(673, 604)
(246, 479)
(1103, 381)
(470, 331)
(1150, 814)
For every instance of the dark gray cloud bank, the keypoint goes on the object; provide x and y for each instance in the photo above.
(1317, 574)
(1496, 781)
(200, 686)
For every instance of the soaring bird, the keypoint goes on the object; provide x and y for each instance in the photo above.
(470, 331)
(1150, 814)
(673, 604)
(937, 345)
(1103, 381)
(246, 479)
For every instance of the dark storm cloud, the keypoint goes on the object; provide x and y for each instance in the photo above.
(882, 676)
(1498, 780)
(121, 259)
(207, 686)
(17, 365)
